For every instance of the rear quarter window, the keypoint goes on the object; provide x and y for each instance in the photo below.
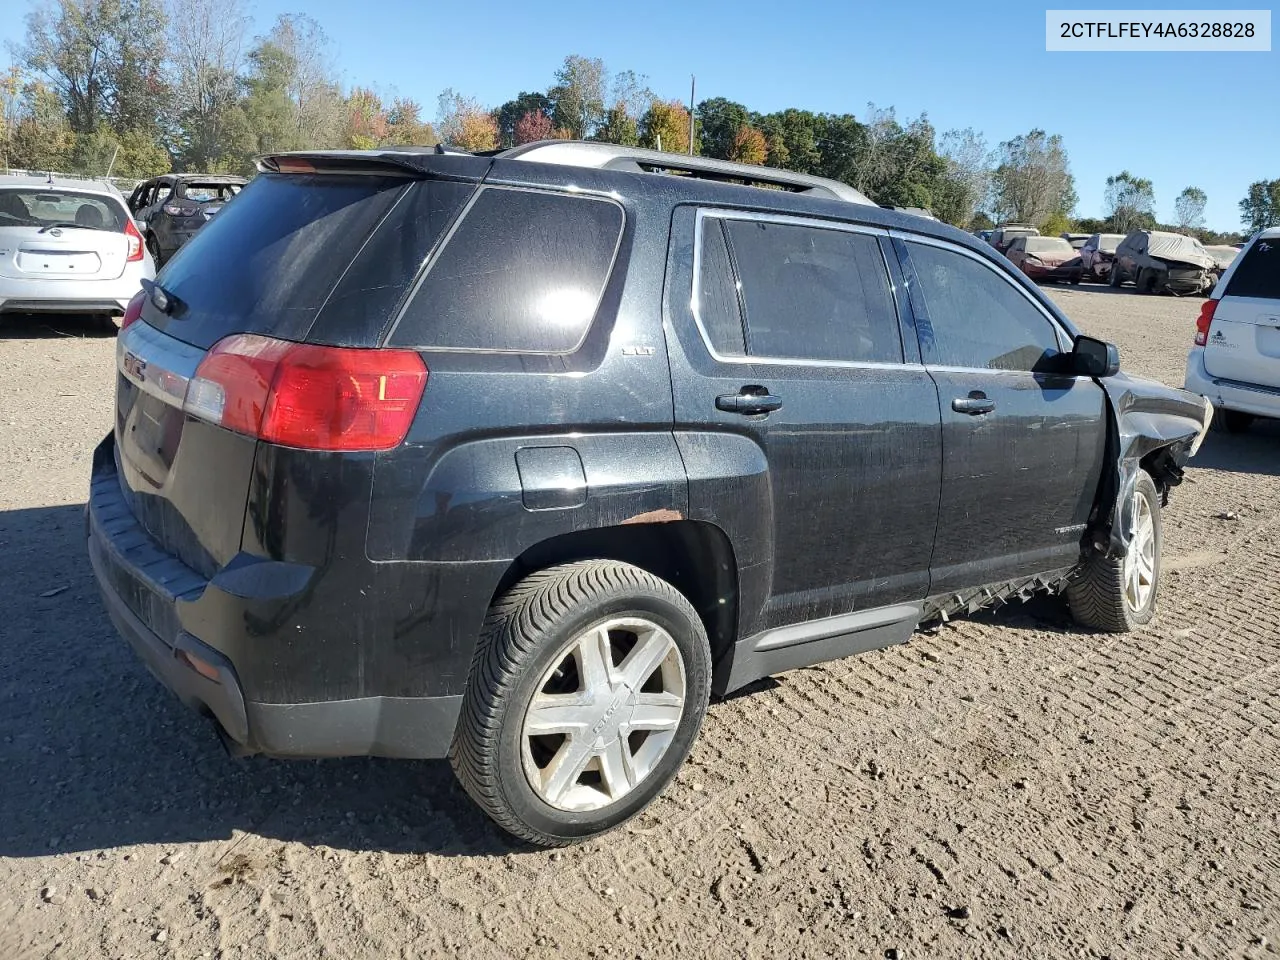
(522, 272)
(1258, 272)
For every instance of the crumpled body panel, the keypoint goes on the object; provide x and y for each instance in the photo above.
(1153, 426)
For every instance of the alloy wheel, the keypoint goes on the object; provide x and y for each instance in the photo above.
(604, 714)
(1140, 561)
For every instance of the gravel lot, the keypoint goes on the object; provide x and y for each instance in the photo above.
(1007, 786)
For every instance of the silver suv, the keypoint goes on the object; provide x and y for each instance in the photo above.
(68, 246)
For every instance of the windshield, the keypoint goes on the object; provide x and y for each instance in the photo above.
(204, 192)
(1047, 245)
(1107, 242)
(47, 207)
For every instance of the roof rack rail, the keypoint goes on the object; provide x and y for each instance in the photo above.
(608, 156)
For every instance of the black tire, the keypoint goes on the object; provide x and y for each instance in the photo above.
(107, 323)
(524, 635)
(1144, 281)
(1113, 278)
(1097, 595)
(1232, 421)
(1076, 278)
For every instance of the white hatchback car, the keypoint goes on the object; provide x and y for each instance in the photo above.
(68, 246)
(1236, 359)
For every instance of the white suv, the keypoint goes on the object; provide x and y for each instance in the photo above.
(1236, 359)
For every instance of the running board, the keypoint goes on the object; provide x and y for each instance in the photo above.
(817, 641)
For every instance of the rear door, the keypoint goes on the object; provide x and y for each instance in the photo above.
(1023, 446)
(1244, 339)
(48, 233)
(791, 348)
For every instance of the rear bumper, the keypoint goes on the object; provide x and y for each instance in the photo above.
(74, 296)
(1251, 398)
(156, 601)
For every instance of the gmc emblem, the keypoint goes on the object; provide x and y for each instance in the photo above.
(135, 368)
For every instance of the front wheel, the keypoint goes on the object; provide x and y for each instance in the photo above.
(1113, 278)
(1117, 596)
(1232, 421)
(587, 690)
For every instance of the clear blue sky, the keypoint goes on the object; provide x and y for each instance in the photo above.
(965, 65)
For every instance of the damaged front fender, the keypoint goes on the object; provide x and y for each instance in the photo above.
(1153, 427)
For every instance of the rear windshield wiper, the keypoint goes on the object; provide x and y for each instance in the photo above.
(78, 226)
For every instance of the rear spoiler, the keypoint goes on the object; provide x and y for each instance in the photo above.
(402, 162)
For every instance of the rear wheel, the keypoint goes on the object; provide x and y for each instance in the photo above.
(587, 690)
(1113, 278)
(1117, 596)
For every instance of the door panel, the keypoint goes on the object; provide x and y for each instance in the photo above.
(853, 451)
(1023, 445)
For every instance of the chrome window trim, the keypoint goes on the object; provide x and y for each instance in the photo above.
(705, 213)
(1063, 337)
(442, 244)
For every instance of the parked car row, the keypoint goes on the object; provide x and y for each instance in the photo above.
(1154, 261)
(76, 246)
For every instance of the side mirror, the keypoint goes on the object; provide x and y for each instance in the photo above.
(1094, 358)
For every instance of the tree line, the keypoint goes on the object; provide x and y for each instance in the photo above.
(145, 86)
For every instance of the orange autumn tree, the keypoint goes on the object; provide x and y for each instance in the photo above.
(749, 146)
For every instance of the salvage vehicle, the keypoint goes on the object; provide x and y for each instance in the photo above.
(172, 207)
(1160, 262)
(521, 458)
(1077, 240)
(1236, 358)
(1098, 253)
(68, 246)
(1006, 233)
(1223, 256)
(1046, 258)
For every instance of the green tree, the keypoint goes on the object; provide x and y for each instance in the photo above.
(578, 96)
(794, 137)
(1055, 224)
(1129, 202)
(965, 178)
(720, 120)
(619, 127)
(1260, 207)
(981, 221)
(104, 59)
(1032, 178)
(405, 126)
(1189, 208)
(665, 126)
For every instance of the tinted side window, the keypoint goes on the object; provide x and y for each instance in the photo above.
(718, 307)
(523, 272)
(1258, 272)
(976, 317)
(814, 294)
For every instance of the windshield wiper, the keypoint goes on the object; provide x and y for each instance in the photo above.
(78, 226)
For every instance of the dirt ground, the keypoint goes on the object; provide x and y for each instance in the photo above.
(1007, 786)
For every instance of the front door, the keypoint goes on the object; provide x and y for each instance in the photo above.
(789, 354)
(1023, 445)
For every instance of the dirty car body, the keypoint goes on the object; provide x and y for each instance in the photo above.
(812, 494)
(172, 207)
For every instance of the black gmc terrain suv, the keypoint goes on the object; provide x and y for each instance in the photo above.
(518, 459)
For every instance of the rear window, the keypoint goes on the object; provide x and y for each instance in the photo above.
(36, 207)
(269, 261)
(1258, 272)
(204, 192)
(811, 293)
(523, 272)
(1047, 245)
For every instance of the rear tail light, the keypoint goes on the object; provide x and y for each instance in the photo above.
(1204, 321)
(133, 311)
(135, 241)
(181, 209)
(308, 396)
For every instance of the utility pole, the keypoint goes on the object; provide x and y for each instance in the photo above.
(693, 85)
